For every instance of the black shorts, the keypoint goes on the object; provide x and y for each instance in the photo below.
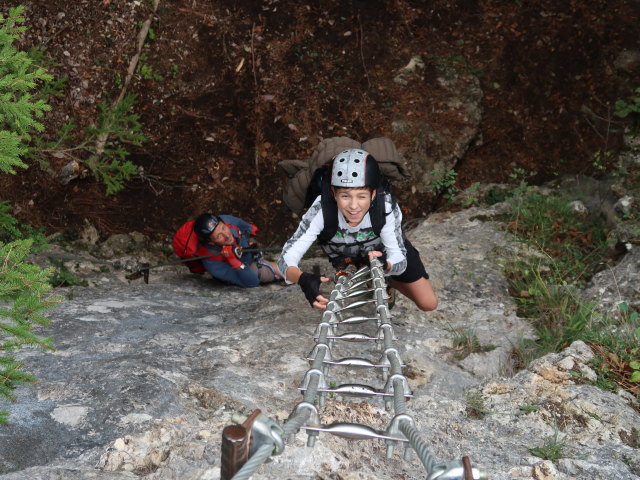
(415, 269)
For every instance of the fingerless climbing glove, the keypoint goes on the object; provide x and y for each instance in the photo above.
(310, 285)
(382, 259)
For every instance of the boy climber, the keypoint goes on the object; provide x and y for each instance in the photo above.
(355, 220)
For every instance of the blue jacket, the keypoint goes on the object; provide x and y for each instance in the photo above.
(220, 269)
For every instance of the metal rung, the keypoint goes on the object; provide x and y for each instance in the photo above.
(354, 362)
(357, 293)
(357, 390)
(361, 303)
(360, 273)
(353, 431)
(356, 285)
(351, 337)
(354, 320)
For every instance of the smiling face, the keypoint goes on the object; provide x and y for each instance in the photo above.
(221, 235)
(354, 203)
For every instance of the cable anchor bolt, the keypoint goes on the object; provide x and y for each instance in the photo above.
(457, 470)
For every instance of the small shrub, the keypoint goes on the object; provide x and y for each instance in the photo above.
(616, 341)
(546, 288)
(552, 449)
(575, 245)
(629, 108)
(62, 277)
(443, 184)
(466, 342)
(108, 164)
(11, 230)
(475, 405)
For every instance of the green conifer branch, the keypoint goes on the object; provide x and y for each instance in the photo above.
(24, 288)
(25, 296)
(19, 110)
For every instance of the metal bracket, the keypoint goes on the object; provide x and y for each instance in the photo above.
(320, 346)
(456, 470)
(382, 328)
(406, 390)
(322, 383)
(312, 421)
(393, 430)
(264, 431)
(331, 330)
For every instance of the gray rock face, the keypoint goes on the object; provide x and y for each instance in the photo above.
(440, 150)
(618, 284)
(146, 376)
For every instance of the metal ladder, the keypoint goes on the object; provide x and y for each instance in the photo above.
(359, 299)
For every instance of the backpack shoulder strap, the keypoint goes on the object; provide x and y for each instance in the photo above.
(329, 213)
(377, 212)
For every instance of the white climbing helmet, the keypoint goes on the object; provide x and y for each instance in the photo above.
(355, 168)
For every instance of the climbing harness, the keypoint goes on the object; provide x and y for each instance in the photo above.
(267, 437)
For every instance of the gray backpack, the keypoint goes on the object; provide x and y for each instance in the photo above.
(392, 165)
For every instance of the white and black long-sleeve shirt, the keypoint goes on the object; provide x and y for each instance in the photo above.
(348, 241)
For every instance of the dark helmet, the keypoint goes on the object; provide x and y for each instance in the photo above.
(355, 168)
(204, 225)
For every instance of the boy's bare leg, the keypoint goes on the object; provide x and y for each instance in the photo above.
(268, 271)
(419, 292)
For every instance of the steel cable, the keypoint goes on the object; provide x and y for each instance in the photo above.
(314, 379)
(399, 404)
(421, 448)
(260, 456)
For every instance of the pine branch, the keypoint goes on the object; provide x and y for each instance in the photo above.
(142, 37)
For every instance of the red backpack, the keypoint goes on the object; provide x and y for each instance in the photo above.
(185, 245)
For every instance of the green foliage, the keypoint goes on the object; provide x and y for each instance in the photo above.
(10, 229)
(496, 195)
(19, 109)
(571, 248)
(118, 126)
(146, 71)
(122, 127)
(23, 287)
(444, 183)
(630, 106)
(601, 160)
(526, 408)
(470, 195)
(49, 87)
(574, 245)
(24, 298)
(557, 312)
(466, 342)
(552, 449)
(475, 405)
(62, 277)
(25, 87)
(616, 340)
